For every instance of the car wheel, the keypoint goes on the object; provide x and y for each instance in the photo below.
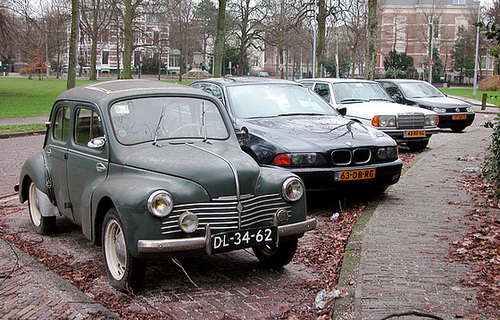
(457, 129)
(417, 145)
(276, 256)
(125, 271)
(41, 224)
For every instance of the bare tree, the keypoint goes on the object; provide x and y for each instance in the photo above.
(96, 17)
(220, 38)
(371, 48)
(73, 44)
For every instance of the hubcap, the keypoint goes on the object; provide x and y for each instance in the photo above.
(115, 250)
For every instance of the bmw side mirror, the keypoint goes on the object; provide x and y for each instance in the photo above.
(97, 143)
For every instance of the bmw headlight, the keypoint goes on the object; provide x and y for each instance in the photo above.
(292, 189)
(431, 120)
(160, 203)
(387, 153)
(299, 159)
(384, 121)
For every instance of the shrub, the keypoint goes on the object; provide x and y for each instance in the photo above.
(490, 84)
(491, 164)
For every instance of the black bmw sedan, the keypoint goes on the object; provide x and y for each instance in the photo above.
(453, 113)
(284, 124)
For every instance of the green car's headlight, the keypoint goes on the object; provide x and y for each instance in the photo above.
(160, 203)
(292, 189)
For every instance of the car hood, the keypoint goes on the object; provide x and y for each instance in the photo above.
(212, 165)
(313, 133)
(443, 102)
(370, 109)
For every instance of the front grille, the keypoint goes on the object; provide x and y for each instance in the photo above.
(457, 109)
(345, 157)
(222, 215)
(411, 121)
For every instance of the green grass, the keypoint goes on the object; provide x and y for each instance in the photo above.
(22, 128)
(493, 96)
(21, 97)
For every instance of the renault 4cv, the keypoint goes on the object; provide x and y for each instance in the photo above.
(152, 170)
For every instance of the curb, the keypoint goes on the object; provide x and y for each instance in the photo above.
(20, 134)
(348, 277)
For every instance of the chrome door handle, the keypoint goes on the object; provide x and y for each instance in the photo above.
(100, 167)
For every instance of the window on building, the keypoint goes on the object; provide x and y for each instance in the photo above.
(105, 35)
(156, 37)
(174, 61)
(105, 57)
(459, 2)
(137, 59)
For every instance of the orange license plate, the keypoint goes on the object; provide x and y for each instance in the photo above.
(350, 175)
(460, 117)
(414, 133)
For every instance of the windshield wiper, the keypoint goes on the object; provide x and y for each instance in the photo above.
(353, 100)
(157, 131)
(300, 114)
(379, 99)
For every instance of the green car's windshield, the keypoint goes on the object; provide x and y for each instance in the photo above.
(352, 92)
(158, 118)
(272, 100)
(420, 90)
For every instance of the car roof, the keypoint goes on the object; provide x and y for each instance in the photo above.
(235, 81)
(401, 80)
(104, 91)
(336, 80)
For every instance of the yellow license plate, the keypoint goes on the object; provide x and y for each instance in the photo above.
(414, 133)
(460, 117)
(349, 175)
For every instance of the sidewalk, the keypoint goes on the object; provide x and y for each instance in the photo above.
(398, 257)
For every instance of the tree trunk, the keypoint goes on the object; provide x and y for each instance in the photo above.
(219, 39)
(371, 51)
(128, 35)
(73, 43)
(321, 41)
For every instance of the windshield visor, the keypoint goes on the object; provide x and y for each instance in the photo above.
(159, 118)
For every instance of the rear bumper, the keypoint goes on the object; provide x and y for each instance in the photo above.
(177, 245)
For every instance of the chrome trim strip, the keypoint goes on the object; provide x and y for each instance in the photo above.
(172, 245)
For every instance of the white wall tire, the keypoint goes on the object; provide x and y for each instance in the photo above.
(41, 224)
(124, 271)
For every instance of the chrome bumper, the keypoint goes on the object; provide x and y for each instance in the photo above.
(173, 245)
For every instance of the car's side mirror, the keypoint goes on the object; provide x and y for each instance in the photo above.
(242, 133)
(342, 110)
(96, 143)
(397, 97)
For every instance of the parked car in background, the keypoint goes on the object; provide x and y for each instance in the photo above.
(151, 170)
(368, 103)
(282, 124)
(453, 113)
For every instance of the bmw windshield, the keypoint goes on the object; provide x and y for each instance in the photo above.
(273, 100)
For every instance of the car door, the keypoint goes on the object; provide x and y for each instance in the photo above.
(87, 165)
(56, 152)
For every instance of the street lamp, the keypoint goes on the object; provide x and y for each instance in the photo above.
(476, 58)
(431, 62)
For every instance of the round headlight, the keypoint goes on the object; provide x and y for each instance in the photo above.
(160, 203)
(188, 222)
(292, 189)
(382, 153)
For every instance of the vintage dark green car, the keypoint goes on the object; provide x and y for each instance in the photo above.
(152, 170)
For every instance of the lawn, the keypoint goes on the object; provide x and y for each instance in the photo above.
(22, 98)
(493, 96)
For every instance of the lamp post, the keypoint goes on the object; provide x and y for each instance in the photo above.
(431, 63)
(476, 57)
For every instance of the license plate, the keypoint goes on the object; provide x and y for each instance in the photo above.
(244, 238)
(414, 133)
(354, 175)
(460, 117)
